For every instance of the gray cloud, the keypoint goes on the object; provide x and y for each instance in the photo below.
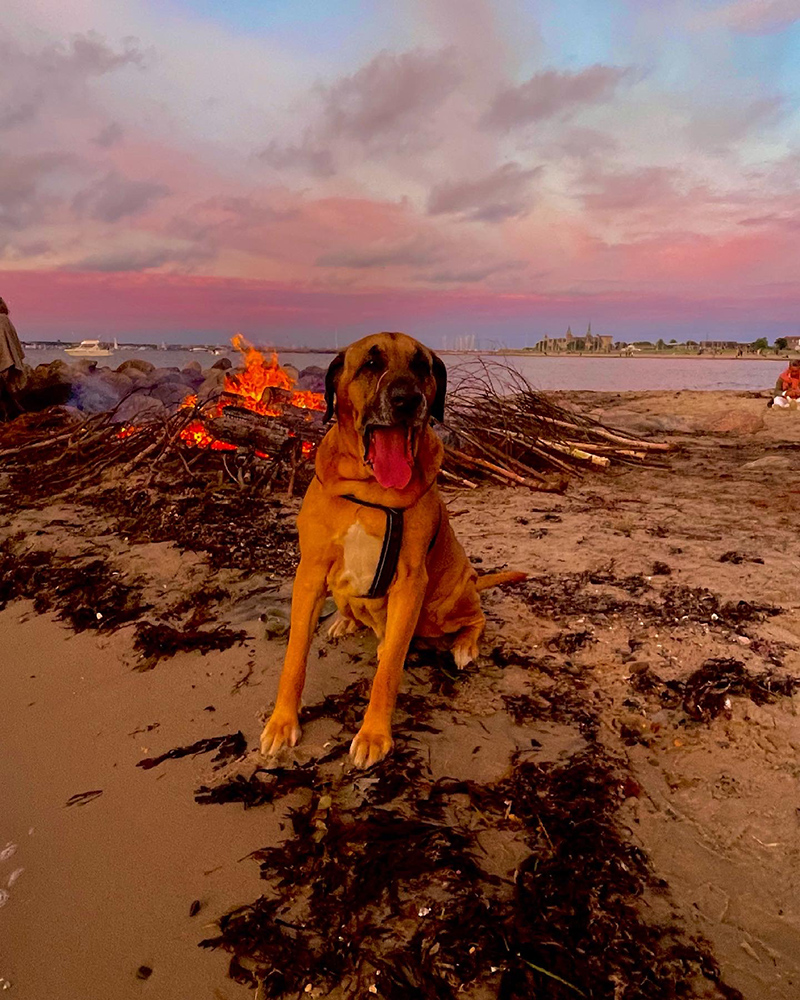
(502, 194)
(122, 260)
(411, 253)
(109, 136)
(716, 128)
(551, 93)
(22, 186)
(755, 17)
(311, 159)
(90, 55)
(17, 113)
(390, 92)
(32, 79)
(115, 197)
(653, 186)
(385, 104)
(473, 274)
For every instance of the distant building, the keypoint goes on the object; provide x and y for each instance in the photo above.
(722, 345)
(793, 343)
(589, 343)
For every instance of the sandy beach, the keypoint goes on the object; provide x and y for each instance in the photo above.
(658, 635)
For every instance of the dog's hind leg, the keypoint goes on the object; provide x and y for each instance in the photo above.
(308, 596)
(465, 647)
(342, 625)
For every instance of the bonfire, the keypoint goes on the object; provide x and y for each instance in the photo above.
(497, 428)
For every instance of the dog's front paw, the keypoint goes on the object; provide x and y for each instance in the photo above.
(283, 729)
(370, 746)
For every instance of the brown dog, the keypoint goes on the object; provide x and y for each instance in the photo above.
(380, 456)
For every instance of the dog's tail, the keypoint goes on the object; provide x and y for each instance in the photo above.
(495, 579)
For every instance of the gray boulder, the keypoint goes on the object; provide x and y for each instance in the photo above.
(136, 364)
(312, 379)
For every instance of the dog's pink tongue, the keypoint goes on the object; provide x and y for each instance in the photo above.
(388, 453)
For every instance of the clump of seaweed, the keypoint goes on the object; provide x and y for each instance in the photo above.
(705, 693)
(224, 523)
(382, 884)
(228, 746)
(86, 593)
(158, 642)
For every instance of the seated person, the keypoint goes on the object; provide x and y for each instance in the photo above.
(787, 388)
(11, 366)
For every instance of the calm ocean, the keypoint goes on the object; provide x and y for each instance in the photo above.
(604, 374)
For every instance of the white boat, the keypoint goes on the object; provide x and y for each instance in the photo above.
(88, 349)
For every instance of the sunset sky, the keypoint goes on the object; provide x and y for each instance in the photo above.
(300, 169)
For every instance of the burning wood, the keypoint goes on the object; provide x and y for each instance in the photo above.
(497, 428)
(243, 415)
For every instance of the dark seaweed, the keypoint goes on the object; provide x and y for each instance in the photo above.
(382, 881)
(235, 530)
(228, 746)
(86, 593)
(157, 642)
(704, 692)
(84, 798)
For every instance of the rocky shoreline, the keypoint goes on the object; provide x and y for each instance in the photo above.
(136, 388)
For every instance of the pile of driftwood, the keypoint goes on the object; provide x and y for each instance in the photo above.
(497, 429)
(500, 428)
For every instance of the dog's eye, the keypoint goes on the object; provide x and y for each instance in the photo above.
(373, 364)
(420, 365)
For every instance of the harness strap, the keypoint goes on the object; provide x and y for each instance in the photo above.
(390, 550)
(392, 540)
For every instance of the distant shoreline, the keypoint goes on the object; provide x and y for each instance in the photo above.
(125, 349)
(641, 355)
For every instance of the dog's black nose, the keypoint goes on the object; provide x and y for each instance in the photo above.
(405, 400)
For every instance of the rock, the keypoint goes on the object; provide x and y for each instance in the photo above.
(312, 379)
(139, 409)
(84, 366)
(772, 462)
(276, 622)
(650, 423)
(223, 364)
(136, 364)
(97, 392)
(735, 422)
(212, 384)
(194, 367)
(171, 392)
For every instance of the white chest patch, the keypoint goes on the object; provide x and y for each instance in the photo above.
(361, 555)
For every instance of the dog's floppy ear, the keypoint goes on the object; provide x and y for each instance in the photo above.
(332, 383)
(440, 374)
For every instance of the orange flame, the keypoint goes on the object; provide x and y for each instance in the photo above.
(195, 435)
(127, 430)
(250, 390)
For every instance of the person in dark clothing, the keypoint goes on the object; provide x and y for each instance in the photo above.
(11, 365)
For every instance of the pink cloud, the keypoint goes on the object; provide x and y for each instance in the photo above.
(70, 304)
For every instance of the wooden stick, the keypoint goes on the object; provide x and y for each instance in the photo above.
(484, 445)
(458, 479)
(577, 453)
(610, 436)
(40, 444)
(491, 467)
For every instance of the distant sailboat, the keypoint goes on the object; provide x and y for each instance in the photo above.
(116, 345)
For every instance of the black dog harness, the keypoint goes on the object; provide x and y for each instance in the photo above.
(390, 550)
(392, 543)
